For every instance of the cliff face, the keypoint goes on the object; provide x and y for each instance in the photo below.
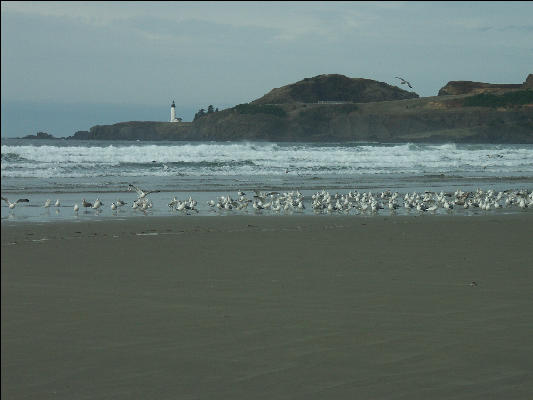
(135, 130)
(504, 115)
(417, 120)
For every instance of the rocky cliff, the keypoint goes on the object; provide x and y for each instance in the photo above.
(317, 109)
(469, 87)
(136, 130)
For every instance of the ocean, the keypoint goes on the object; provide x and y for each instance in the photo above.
(69, 171)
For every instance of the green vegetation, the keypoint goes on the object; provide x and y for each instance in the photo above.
(503, 100)
(201, 112)
(314, 115)
(325, 112)
(346, 108)
(260, 109)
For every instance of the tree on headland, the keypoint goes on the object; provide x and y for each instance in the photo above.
(201, 112)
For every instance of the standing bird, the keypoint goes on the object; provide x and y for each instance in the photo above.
(404, 82)
(57, 204)
(86, 204)
(97, 204)
(12, 205)
(76, 207)
(141, 193)
(47, 203)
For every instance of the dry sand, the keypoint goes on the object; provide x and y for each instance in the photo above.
(269, 308)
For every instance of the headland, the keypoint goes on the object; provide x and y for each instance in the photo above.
(336, 108)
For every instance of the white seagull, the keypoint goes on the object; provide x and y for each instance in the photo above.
(57, 204)
(141, 193)
(47, 203)
(76, 207)
(97, 204)
(12, 205)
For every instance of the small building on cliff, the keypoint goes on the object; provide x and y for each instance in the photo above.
(173, 117)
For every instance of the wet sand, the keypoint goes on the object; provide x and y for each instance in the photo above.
(269, 308)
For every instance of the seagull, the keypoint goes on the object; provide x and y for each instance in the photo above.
(47, 203)
(12, 205)
(85, 203)
(76, 207)
(97, 204)
(113, 206)
(57, 204)
(141, 193)
(404, 82)
(173, 202)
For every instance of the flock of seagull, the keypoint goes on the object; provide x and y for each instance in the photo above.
(422, 202)
(324, 202)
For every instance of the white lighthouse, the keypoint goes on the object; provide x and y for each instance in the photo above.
(173, 113)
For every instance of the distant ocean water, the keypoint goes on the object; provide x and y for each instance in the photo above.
(55, 168)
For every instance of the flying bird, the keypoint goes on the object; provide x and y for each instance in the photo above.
(141, 193)
(12, 205)
(404, 82)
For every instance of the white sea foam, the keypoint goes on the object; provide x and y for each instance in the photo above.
(199, 159)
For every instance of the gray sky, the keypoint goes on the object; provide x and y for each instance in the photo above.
(224, 53)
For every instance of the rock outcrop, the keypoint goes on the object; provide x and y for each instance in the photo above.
(39, 135)
(334, 88)
(136, 130)
(469, 87)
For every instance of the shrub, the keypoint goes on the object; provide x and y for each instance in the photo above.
(260, 109)
(503, 100)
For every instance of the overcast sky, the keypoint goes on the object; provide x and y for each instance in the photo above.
(224, 53)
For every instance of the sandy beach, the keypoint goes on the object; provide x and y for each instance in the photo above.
(269, 308)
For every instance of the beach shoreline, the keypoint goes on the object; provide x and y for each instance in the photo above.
(268, 307)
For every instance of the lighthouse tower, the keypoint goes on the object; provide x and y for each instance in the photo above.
(173, 112)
